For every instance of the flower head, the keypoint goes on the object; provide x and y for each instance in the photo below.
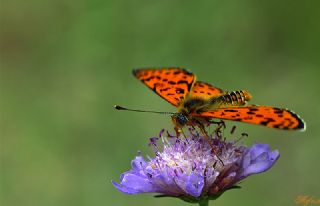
(188, 168)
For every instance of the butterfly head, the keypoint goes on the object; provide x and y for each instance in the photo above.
(179, 119)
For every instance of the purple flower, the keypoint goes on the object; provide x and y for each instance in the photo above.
(188, 168)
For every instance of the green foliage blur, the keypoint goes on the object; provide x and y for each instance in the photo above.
(65, 63)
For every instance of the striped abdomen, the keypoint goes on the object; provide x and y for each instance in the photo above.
(234, 98)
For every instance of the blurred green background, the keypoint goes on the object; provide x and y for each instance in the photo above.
(64, 64)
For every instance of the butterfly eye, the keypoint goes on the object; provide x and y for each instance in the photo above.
(181, 119)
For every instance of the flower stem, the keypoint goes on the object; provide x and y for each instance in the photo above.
(204, 202)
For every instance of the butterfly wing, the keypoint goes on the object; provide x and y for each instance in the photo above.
(204, 90)
(172, 84)
(262, 115)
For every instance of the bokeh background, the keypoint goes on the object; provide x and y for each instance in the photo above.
(65, 63)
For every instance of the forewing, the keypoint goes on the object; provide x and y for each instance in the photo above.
(204, 90)
(172, 84)
(262, 115)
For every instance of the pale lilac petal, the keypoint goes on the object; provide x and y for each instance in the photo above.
(259, 158)
(124, 189)
(194, 185)
(138, 163)
(258, 149)
(133, 184)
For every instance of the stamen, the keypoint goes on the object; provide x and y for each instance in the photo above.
(233, 129)
(243, 135)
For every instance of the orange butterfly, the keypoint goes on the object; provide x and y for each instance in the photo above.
(198, 102)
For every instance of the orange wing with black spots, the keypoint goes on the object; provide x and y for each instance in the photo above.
(205, 90)
(262, 115)
(172, 84)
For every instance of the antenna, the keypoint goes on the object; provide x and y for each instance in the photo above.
(117, 107)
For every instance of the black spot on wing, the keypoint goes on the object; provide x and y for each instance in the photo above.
(290, 124)
(148, 79)
(278, 111)
(267, 121)
(230, 110)
(270, 120)
(264, 123)
(182, 82)
(247, 118)
(277, 126)
(164, 89)
(179, 90)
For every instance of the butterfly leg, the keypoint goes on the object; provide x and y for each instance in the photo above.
(221, 124)
(207, 138)
(179, 131)
(183, 134)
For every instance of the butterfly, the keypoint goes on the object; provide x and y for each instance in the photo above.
(198, 103)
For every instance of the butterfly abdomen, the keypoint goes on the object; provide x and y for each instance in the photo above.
(234, 98)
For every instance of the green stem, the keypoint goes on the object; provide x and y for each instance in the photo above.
(204, 202)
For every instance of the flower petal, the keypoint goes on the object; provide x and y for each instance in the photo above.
(138, 163)
(194, 184)
(258, 149)
(259, 158)
(123, 188)
(134, 184)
